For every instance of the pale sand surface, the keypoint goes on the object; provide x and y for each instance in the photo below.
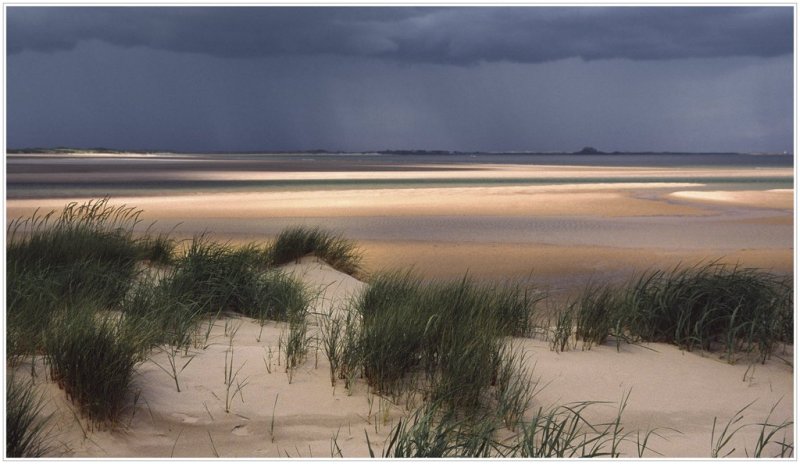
(669, 388)
(612, 200)
(775, 198)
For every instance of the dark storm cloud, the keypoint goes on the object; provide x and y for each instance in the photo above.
(137, 98)
(436, 35)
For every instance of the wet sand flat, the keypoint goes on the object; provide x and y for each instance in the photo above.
(559, 267)
(564, 200)
(573, 221)
(555, 260)
(563, 231)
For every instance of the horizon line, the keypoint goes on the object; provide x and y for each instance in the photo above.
(584, 151)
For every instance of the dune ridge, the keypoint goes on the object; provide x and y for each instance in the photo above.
(668, 388)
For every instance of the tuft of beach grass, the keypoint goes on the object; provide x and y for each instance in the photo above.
(92, 356)
(708, 306)
(293, 243)
(450, 332)
(27, 428)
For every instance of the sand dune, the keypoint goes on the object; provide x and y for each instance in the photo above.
(668, 388)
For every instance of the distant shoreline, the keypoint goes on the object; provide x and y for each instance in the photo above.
(112, 151)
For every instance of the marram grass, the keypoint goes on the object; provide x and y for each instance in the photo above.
(27, 427)
(294, 243)
(436, 431)
(213, 277)
(708, 306)
(92, 358)
(87, 251)
(450, 332)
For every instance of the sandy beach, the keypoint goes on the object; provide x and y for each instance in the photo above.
(573, 227)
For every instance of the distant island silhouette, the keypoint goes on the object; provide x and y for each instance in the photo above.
(590, 151)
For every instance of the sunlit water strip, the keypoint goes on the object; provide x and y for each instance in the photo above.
(160, 187)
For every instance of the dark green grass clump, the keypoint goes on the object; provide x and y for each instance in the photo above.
(707, 307)
(212, 277)
(158, 250)
(296, 242)
(93, 230)
(32, 296)
(88, 251)
(450, 332)
(596, 314)
(26, 429)
(92, 356)
(85, 255)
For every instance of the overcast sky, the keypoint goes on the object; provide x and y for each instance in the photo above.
(488, 79)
